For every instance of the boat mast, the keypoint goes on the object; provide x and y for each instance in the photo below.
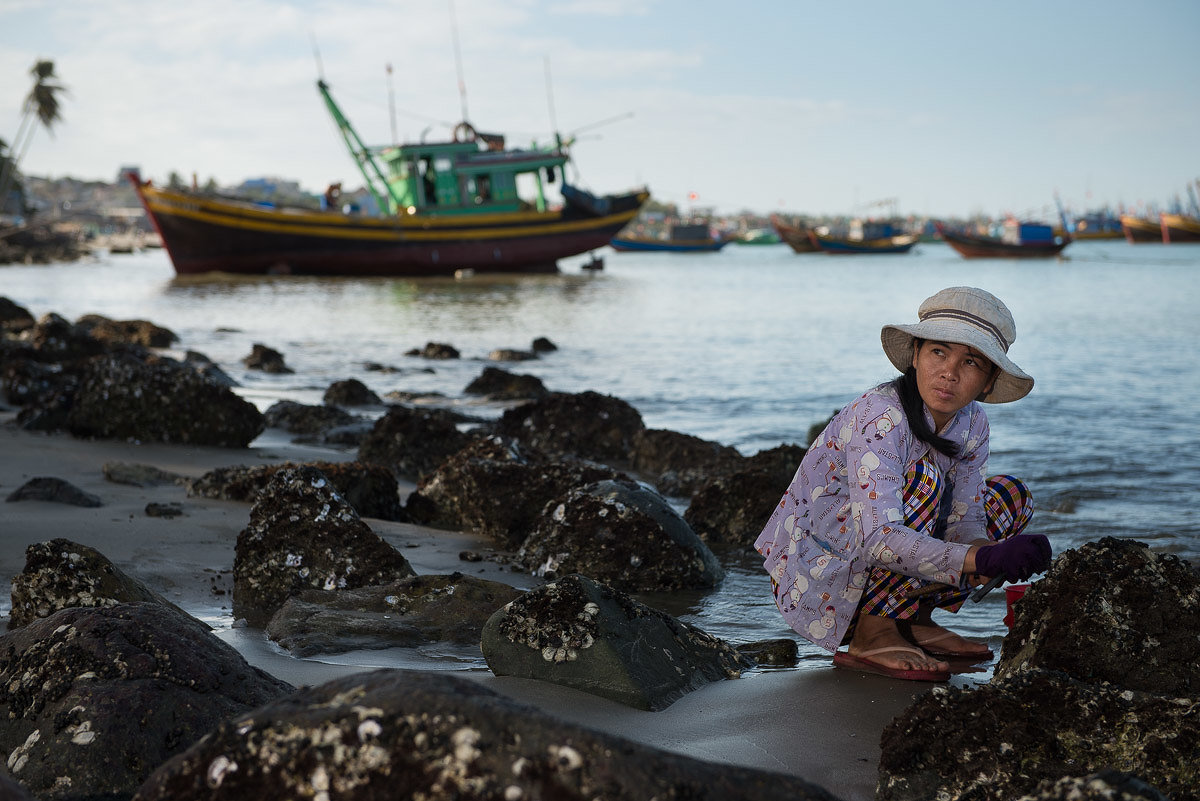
(362, 156)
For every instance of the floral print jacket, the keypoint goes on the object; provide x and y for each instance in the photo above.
(844, 512)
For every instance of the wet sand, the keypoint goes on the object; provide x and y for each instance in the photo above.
(816, 722)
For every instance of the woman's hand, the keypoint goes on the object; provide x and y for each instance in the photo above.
(1016, 558)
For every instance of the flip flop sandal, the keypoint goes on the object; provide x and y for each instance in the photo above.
(861, 662)
(930, 648)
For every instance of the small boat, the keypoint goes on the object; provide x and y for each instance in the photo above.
(1141, 229)
(441, 208)
(864, 237)
(1017, 241)
(1180, 228)
(682, 238)
(758, 236)
(795, 236)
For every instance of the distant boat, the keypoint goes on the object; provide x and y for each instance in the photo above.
(1141, 229)
(864, 237)
(446, 207)
(680, 238)
(1180, 228)
(794, 235)
(758, 236)
(1018, 241)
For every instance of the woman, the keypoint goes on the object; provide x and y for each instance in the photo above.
(890, 516)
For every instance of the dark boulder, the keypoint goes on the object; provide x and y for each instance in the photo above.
(350, 392)
(678, 464)
(61, 574)
(372, 490)
(999, 741)
(1111, 611)
(93, 700)
(731, 510)
(586, 424)
(435, 350)
(133, 332)
(304, 535)
(582, 634)
(207, 368)
(266, 359)
(1103, 785)
(497, 384)
(412, 442)
(543, 345)
(302, 418)
(56, 339)
(621, 533)
(53, 490)
(510, 355)
(406, 734)
(123, 397)
(497, 487)
(406, 613)
(14, 318)
(140, 475)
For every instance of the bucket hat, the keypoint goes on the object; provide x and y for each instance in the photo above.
(964, 315)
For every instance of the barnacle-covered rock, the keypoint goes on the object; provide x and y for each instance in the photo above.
(53, 490)
(585, 424)
(412, 442)
(131, 332)
(1103, 785)
(1111, 611)
(92, 700)
(998, 741)
(303, 534)
(405, 613)
(498, 384)
(403, 734)
(350, 392)
(583, 634)
(267, 359)
(497, 487)
(61, 574)
(121, 396)
(303, 418)
(678, 464)
(731, 509)
(621, 533)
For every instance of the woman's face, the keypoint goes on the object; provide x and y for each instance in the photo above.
(949, 376)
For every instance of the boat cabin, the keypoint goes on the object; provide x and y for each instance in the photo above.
(468, 176)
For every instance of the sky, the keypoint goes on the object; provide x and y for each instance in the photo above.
(926, 108)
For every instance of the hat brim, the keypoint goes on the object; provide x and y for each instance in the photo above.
(1012, 383)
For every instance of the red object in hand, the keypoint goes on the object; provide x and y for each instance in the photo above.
(1013, 593)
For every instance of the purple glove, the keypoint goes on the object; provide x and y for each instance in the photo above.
(1016, 558)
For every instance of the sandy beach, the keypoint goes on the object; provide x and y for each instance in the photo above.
(814, 722)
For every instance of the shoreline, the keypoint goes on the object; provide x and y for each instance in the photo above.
(816, 722)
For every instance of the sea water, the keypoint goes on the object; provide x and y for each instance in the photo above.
(748, 347)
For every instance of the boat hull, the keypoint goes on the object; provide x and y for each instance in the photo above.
(1178, 228)
(796, 237)
(631, 243)
(203, 234)
(978, 247)
(1139, 230)
(891, 244)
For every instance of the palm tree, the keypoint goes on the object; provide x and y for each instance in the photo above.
(41, 105)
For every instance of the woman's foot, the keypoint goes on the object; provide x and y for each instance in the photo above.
(939, 641)
(879, 647)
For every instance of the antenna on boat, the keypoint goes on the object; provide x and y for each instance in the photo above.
(550, 98)
(392, 103)
(462, 85)
(317, 56)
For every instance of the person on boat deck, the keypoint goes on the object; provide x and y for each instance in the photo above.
(892, 498)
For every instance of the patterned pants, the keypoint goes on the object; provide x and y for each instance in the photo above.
(1008, 506)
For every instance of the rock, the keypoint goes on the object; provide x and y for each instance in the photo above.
(55, 339)
(497, 384)
(303, 535)
(350, 392)
(266, 359)
(11, 791)
(510, 355)
(497, 487)
(543, 345)
(407, 734)
(139, 475)
(61, 574)
(435, 350)
(405, 613)
(14, 318)
(122, 397)
(53, 490)
(168, 510)
(620, 533)
(301, 418)
(372, 490)
(1111, 611)
(998, 741)
(412, 442)
(134, 332)
(207, 368)
(679, 464)
(581, 634)
(93, 700)
(1103, 785)
(731, 510)
(781, 652)
(587, 424)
